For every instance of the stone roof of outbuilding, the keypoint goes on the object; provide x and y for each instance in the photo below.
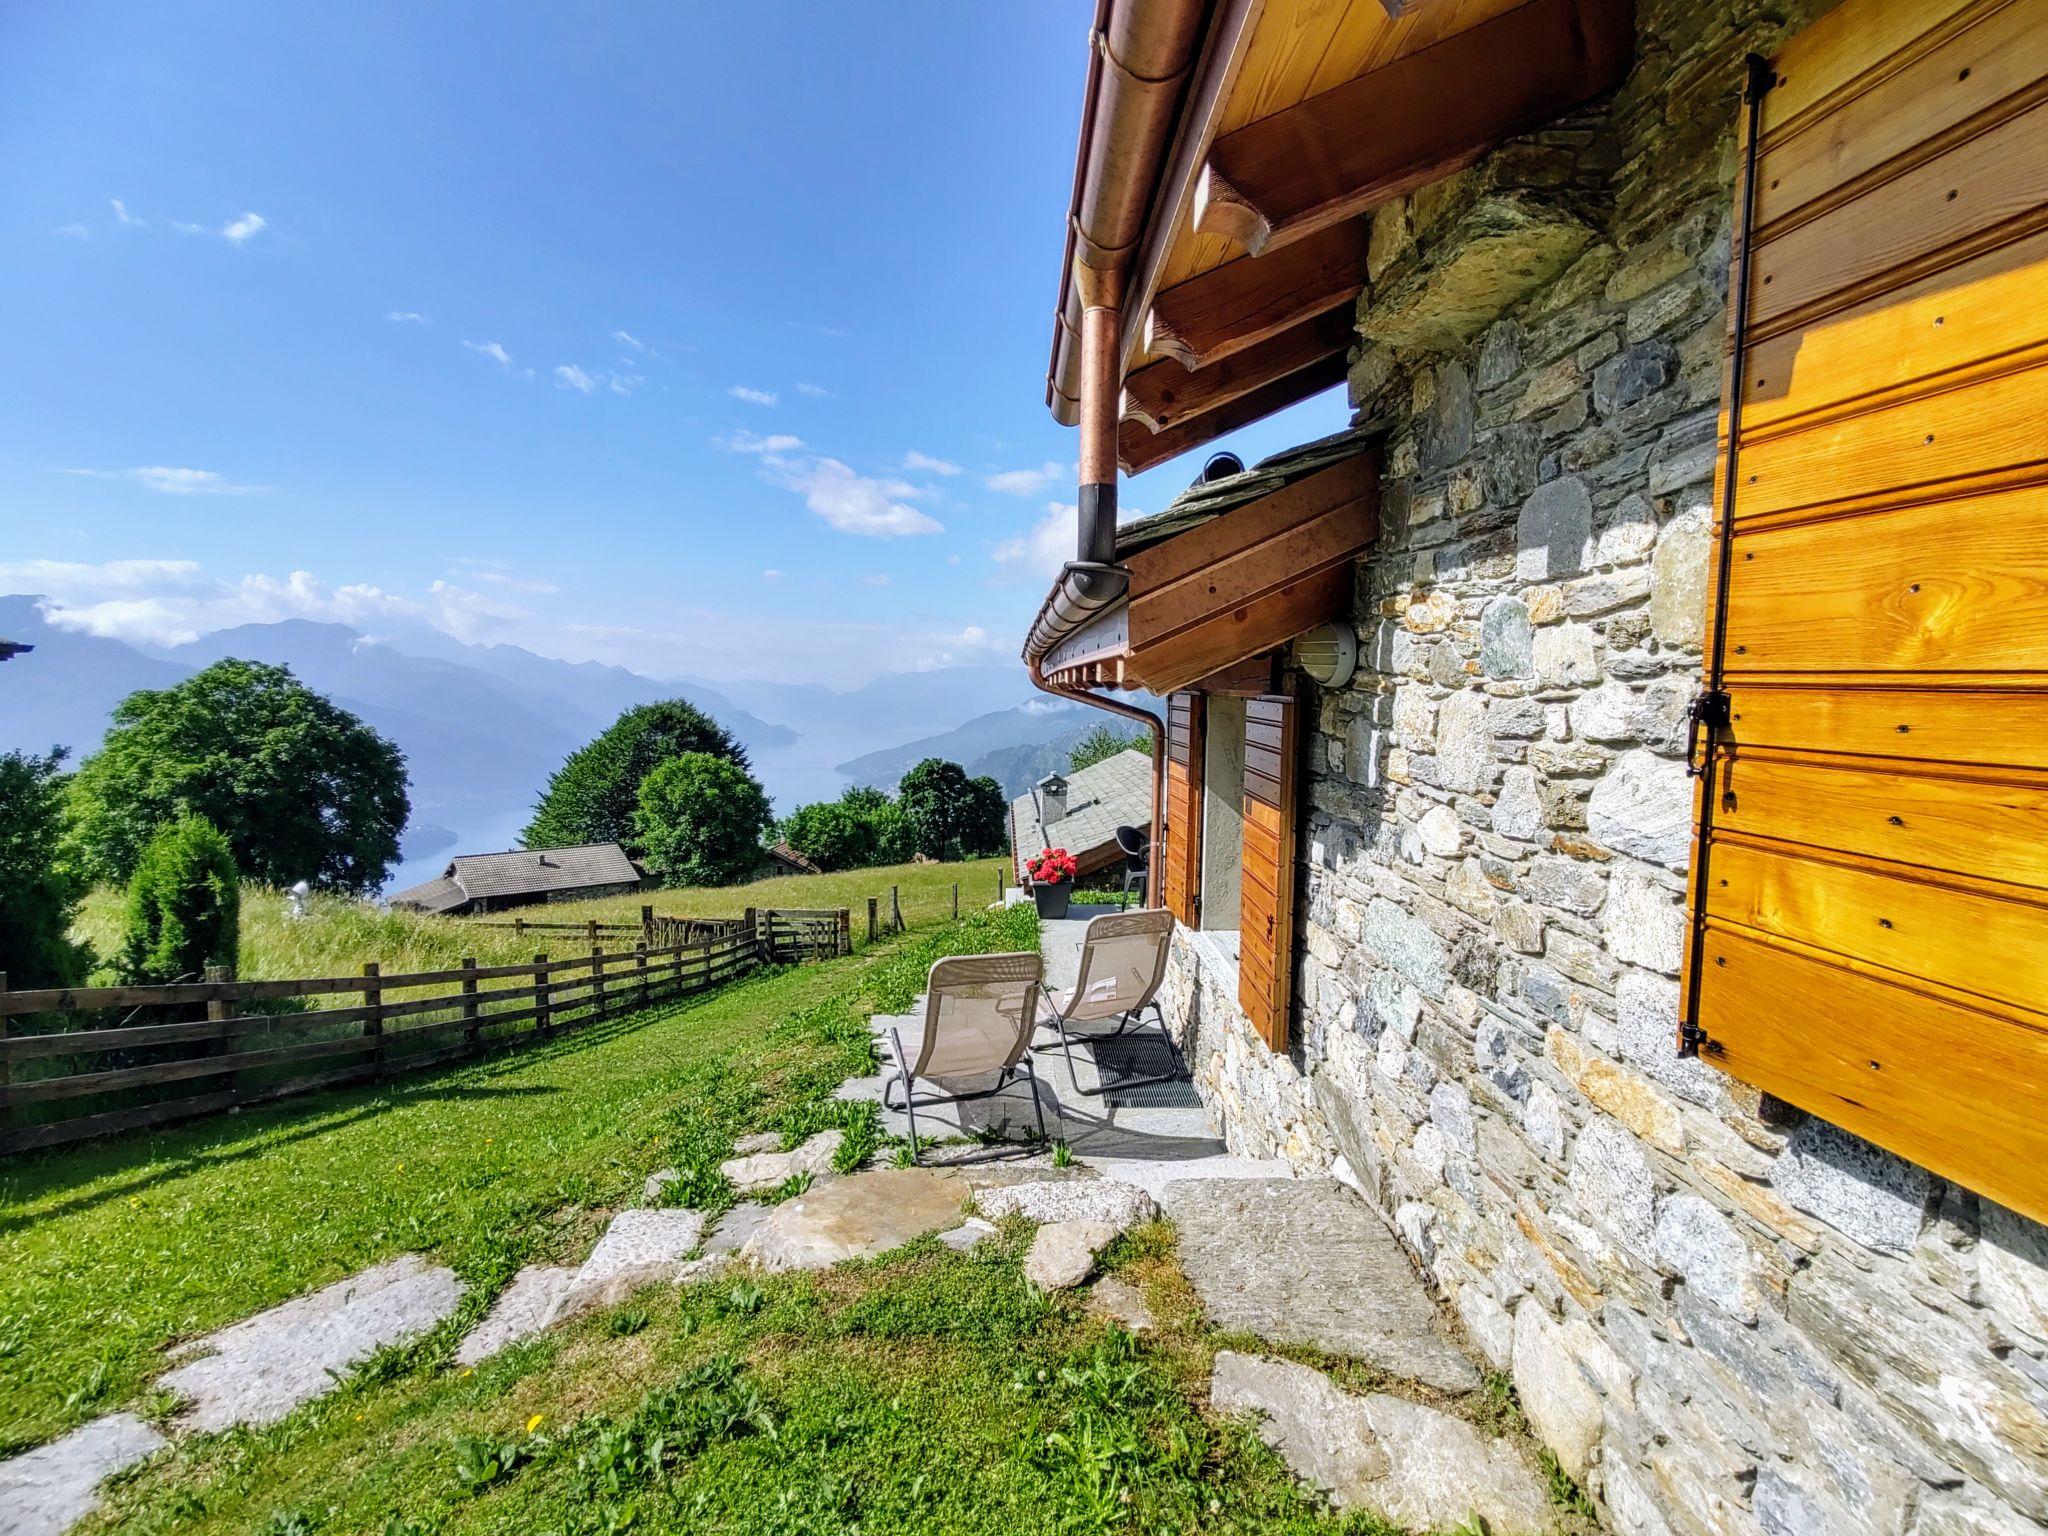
(521, 872)
(1115, 792)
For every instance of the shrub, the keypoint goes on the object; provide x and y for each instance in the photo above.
(950, 816)
(301, 788)
(859, 830)
(595, 795)
(184, 905)
(38, 895)
(700, 820)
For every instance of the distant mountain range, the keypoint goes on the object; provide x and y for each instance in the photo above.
(482, 727)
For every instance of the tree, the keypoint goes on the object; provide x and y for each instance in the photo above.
(1103, 743)
(700, 820)
(184, 905)
(863, 827)
(594, 795)
(300, 788)
(38, 894)
(950, 816)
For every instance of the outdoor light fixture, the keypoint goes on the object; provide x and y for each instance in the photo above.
(1328, 654)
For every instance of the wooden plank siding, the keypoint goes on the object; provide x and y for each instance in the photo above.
(1181, 810)
(1266, 910)
(1871, 914)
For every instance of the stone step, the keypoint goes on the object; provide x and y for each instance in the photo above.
(46, 1491)
(1305, 1261)
(1415, 1466)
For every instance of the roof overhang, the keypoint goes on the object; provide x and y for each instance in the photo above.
(1230, 572)
(1230, 152)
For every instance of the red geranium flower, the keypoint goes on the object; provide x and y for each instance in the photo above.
(1052, 866)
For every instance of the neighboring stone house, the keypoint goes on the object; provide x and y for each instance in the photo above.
(780, 859)
(475, 883)
(1722, 1313)
(1082, 812)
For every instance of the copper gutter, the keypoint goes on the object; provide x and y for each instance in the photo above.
(1156, 728)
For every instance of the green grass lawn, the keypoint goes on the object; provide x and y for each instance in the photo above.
(341, 934)
(110, 1250)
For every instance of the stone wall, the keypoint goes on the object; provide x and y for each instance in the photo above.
(1721, 1315)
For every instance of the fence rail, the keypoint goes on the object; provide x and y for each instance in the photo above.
(230, 1050)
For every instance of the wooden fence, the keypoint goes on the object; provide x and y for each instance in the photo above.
(146, 1055)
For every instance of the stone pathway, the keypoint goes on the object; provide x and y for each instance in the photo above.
(44, 1492)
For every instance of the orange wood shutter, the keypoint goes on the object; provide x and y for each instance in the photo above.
(1181, 843)
(1266, 940)
(1871, 888)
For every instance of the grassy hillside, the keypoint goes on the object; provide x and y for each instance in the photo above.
(341, 935)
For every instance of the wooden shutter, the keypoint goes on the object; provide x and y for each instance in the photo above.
(1266, 941)
(1871, 889)
(1181, 844)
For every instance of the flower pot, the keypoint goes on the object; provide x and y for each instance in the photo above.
(1052, 898)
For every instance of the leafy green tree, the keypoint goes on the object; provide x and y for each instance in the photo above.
(594, 796)
(1103, 743)
(38, 894)
(300, 788)
(950, 816)
(862, 828)
(184, 905)
(700, 820)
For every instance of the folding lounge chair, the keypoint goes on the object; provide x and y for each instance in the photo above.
(979, 1012)
(1123, 962)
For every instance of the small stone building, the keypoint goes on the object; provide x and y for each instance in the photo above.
(1727, 1142)
(475, 883)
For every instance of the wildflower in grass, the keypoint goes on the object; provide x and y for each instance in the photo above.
(535, 1422)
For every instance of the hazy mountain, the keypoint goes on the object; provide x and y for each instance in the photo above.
(894, 706)
(60, 693)
(1008, 745)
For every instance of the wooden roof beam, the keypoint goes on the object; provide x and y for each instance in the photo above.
(1164, 394)
(1243, 302)
(1138, 449)
(1327, 159)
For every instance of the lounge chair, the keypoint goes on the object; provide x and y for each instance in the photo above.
(979, 1012)
(1123, 962)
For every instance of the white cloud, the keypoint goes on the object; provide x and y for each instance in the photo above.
(175, 482)
(1040, 553)
(569, 376)
(407, 317)
(930, 465)
(247, 227)
(496, 573)
(815, 391)
(628, 339)
(493, 351)
(72, 231)
(743, 441)
(754, 396)
(1028, 482)
(123, 217)
(169, 602)
(849, 501)
(771, 574)
(187, 229)
(623, 383)
(876, 579)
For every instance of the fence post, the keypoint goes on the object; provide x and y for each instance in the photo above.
(763, 933)
(895, 909)
(1000, 888)
(640, 960)
(518, 925)
(542, 1022)
(373, 1009)
(596, 980)
(871, 919)
(217, 1010)
(647, 925)
(956, 901)
(845, 926)
(6, 1029)
(469, 1025)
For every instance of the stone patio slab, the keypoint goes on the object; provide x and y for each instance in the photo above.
(638, 1248)
(1305, 1261)
(258, 1370)
(857, 1217)
(46, 1491)
(521, 1310)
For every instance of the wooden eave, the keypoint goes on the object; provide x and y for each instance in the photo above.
(1302, 117)
(1233, 588)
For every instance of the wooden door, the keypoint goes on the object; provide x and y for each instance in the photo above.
(1272, 724)
(1870, 936)
(1181, 839)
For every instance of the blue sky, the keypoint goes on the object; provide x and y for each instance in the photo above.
(705, 339)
